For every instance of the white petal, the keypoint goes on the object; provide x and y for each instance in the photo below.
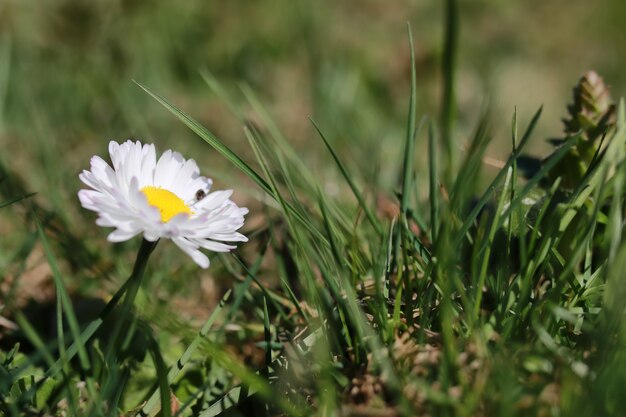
(192, 250)
(166, 168)
(187, 173)
(122, 235)
(214, 200)
(148, 164)
(213, 246)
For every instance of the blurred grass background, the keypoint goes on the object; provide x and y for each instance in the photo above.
(67, 67)
(66, 71)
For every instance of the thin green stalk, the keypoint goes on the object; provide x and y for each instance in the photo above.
(486, 255)
(359, 196)
(133, 288)
(409, 147)
(448, 110)
(434, 184)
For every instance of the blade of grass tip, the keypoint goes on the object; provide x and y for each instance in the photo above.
(494, 183)
(16, 199)
(186, 356)
(448, 110)
(434, 183)
(411, 133)
(219, 90)
(64, 297)
(368, 213)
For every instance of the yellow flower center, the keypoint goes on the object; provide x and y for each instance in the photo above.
(168, 203)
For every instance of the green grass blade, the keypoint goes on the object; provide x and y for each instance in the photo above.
(330, 231)
(217, 88)
(359, 196)
(32, 335)
(448, 110)
(90, 330)
(186, 356)
(411, 133)
(15, 200)
(162, 376)
(65, 299)
(471, 218)
(433, 183)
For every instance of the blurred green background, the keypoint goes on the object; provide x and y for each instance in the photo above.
(66, 71)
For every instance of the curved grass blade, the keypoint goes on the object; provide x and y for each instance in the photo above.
(209, 138)
(368, 213)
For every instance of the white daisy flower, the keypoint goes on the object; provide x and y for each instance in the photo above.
(161, 199)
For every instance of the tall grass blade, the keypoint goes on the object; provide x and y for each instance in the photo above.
(448, 102)
(411, 133)
(359, 196)
(64, 297)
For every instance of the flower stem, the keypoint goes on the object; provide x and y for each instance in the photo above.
(134, 282)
